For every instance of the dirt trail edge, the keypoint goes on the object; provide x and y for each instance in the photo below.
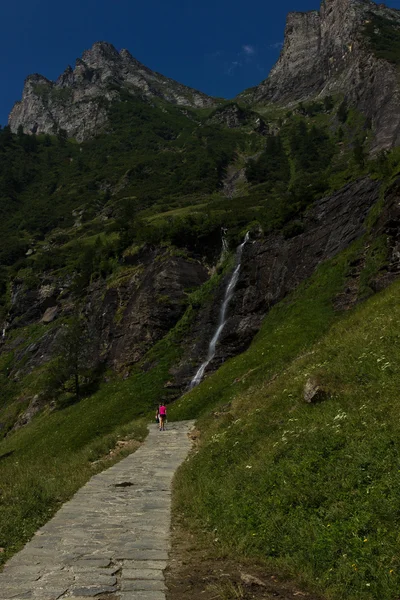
(111, 541)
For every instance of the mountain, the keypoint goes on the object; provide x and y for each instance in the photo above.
(77, 102)
(261, 233)
(348, 47)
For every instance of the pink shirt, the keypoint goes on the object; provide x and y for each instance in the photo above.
(162, 410)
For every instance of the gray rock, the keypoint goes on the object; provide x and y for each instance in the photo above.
(326, 52)
(272, 268)
(134, 314)
(78, 101)
(314, 392)
(50, 314)
(142, 573)
(35, 405)
(130, 585)
(93, 591)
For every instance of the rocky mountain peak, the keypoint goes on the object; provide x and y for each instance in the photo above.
(77, 100)
(329, 52)
(100, 54)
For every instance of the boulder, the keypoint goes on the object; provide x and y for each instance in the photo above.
(314, 392)
(50, 314)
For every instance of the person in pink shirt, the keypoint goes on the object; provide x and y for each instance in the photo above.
(162, 415)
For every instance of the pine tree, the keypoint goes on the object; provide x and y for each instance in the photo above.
(73, 349)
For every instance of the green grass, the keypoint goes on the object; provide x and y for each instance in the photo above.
(311, 489)
(383, 37)
(178, 212)
(51, 458)
(43, 464)
(290, 327)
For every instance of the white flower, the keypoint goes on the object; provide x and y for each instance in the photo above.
(340, 416)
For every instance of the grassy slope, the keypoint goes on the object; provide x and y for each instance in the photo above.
(51, 458)
(43, 464)
(313, 489)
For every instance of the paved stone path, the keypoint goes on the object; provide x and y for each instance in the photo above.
(111, 540)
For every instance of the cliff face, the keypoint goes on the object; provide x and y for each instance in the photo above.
(328, 52)
(129, 314)
(78, 100)
(325, 52)
(126, 318)
(273, 267)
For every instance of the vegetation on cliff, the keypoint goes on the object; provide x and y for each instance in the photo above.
(383, 36)
(85, 214)
(310, 489)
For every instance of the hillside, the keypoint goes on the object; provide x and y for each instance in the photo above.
(118, 247)
(78, 100)
(348, 47)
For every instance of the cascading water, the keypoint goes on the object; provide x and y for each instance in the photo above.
(222, 315)
(225, 247)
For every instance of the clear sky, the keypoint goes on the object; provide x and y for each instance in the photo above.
(220, 47)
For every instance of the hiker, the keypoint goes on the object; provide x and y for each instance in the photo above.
(162, 416)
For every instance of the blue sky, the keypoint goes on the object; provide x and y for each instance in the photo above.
(217, 46)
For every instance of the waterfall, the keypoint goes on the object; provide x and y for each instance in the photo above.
(225, 246)
(222, 315)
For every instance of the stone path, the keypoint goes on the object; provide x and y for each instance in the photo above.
(111, 540)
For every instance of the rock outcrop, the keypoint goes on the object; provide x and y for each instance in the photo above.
(125, 318)
(78, 101)
(331, 52)
(143, 303)
(136, 312)
(273, 267)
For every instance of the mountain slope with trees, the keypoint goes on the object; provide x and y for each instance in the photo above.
(113, 271)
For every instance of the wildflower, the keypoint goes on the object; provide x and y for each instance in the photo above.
(391, 571)
(340, 416)
(249, 467)
(366, 540)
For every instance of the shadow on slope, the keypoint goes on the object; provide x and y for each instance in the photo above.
(310, 489)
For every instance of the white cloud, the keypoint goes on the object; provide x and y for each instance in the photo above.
(248, 50)
(277, 45)
(235, 64)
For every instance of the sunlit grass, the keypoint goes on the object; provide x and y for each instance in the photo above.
(311, 489)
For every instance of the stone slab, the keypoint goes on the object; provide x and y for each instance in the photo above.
(142, 574)
(104, 530)
(145, 564)
(93, 591)
(142, 595)
(129, 585)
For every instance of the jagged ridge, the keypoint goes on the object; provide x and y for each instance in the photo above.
(78, 100)
(328, 52)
